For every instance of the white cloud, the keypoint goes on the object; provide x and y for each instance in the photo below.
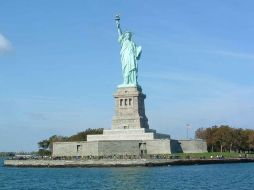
(234, 54)
(5, 44)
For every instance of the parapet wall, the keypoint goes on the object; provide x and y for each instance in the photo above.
(110, 148)
(188, 146)
(72, 149)
(128, 147)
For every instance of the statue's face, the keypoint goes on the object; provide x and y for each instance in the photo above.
(128, 36)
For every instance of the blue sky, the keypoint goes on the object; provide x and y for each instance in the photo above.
(60, 65)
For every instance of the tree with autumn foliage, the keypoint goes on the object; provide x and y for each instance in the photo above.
(226, 139)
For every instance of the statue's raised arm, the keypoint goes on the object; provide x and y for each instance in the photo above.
(117, 19)
(130, 53)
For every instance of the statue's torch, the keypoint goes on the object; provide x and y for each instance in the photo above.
(117, 19)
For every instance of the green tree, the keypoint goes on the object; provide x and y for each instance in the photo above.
(82, 136)
(250, 140)
(46, 145)
(222, 137)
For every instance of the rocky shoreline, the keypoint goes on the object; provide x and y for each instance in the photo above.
(121, 162)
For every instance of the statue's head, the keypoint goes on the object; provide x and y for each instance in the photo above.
(127, 35)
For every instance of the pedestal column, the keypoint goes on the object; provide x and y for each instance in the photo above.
(129, 109)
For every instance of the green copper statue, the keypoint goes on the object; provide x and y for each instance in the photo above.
(130, 53)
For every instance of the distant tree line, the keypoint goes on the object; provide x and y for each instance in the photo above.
(227, 139)
(45, 146)
(7, 154)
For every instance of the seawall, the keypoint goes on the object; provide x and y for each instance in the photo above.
(119, 162)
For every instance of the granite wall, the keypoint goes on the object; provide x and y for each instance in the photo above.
(107, 148)
(128, 147)
(188, 146)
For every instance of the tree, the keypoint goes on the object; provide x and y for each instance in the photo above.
(208, 135)
(226, 138)
(43, 152)
(211, 138)
(250, 140)
(223, 137)
(82, 136)
(201, 133)
(46, 145)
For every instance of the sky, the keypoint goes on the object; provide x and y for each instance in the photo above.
(60, 65)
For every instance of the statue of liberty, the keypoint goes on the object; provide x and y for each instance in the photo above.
(130, 53)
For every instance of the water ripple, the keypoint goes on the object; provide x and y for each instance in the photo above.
(209, 177)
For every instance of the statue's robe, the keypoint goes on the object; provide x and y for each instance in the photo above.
(130, 53)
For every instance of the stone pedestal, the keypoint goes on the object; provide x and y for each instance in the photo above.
(129, 121)
(130, 133)
(129, 109)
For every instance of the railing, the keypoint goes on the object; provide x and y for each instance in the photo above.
(129, 157)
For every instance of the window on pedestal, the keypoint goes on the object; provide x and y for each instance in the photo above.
(125, 102)
(130, 101)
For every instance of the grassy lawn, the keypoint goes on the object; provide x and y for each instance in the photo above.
(213, 154)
